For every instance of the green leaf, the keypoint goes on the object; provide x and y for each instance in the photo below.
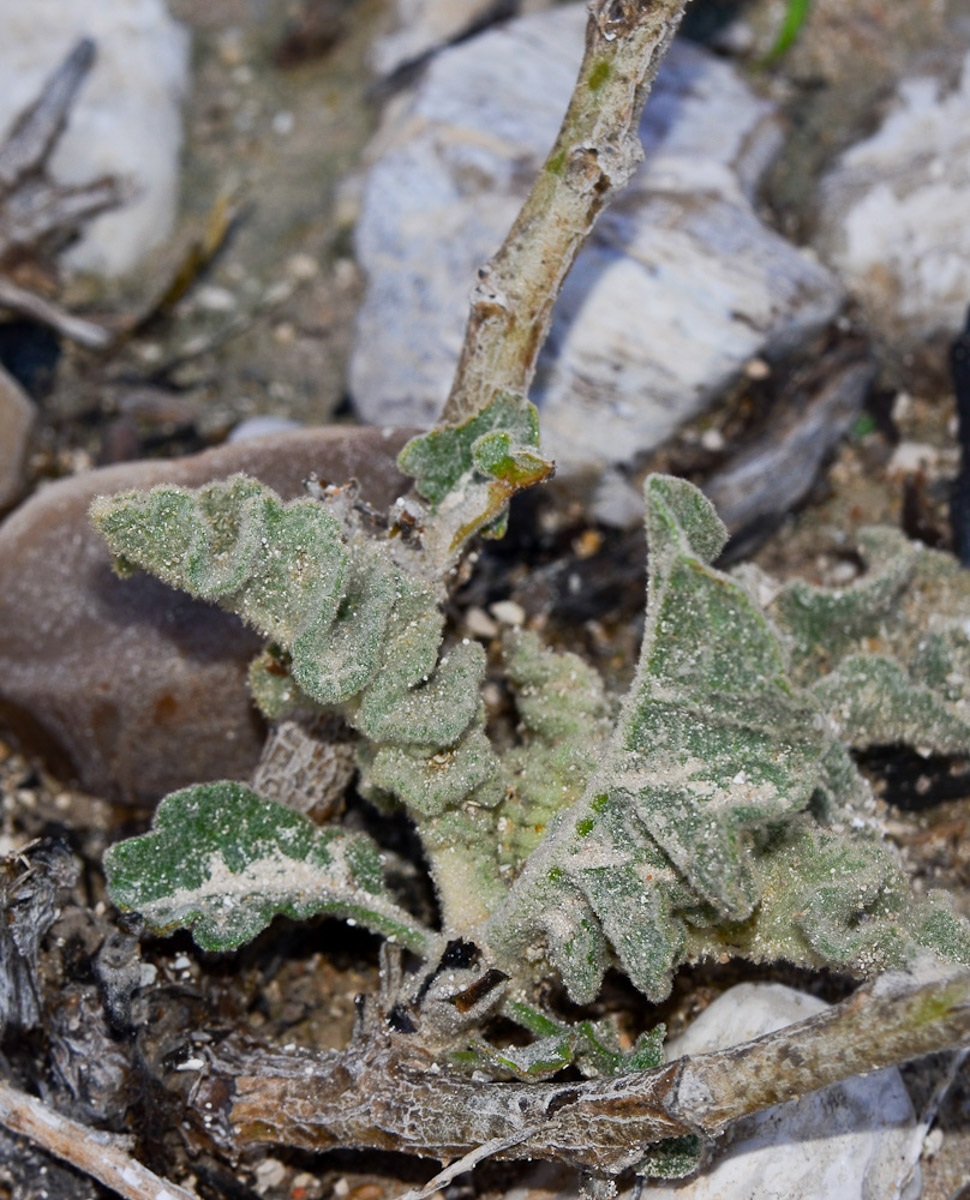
(825, 624)
(565, 724)
(714, 748)
(438, 460)
(888, 657)
(593, 1046)
(673, 1158)
(876, 702)
(796, 14)
(223, 862)
(280, 567)
(469, 472)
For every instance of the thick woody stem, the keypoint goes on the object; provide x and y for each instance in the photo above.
(596, 152)
(890, 1023)
(385, 1093)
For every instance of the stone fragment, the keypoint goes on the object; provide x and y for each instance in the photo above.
(127, 120)
(424, 25)
(893, 209)
(757, 487)
(129, 686)
(680, 286)
(18, 416)
(856, 1140)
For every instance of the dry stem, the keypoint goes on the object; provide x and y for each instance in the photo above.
(384, 1092)
(91, 1151)
(596, 152)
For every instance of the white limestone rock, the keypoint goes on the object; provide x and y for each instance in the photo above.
(893, 210)
(126, 121)
(857, 1140)
(423, 25)
(680, 286)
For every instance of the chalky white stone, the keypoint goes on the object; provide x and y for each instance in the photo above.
(423, 25)
(893, 213)
(857, 1140)
(127, 118)
(680, 286)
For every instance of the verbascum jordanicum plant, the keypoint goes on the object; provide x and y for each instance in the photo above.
(716, 810)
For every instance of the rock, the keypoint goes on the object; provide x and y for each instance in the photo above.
(127, 118)
(856, 1140)
(424, 25)
(127, 685)
(756, 489)
(851, 1141)
(18, 416)
(680, 285)
(252, 427)
(893, 210)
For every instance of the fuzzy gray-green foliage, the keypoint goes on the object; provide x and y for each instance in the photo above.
(698, 834)
(720, 812)
(888, 656)
(251, 860)
(359, 631)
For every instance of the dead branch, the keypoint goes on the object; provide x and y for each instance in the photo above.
(37, 129)
(29, 304)
(595, 154)
(35, 210)
(97, 1154)
(384, 1092)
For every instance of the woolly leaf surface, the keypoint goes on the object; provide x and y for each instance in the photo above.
(470, 471)
(222, 861)
(876, 702)
(830, 898)
(714, 747)
(279, 566)
(565, 724)
(439, 459)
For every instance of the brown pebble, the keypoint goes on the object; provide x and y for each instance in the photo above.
(128, 686)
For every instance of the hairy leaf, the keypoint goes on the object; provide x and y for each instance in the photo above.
(439, 459)
(696, 835)
(888, 657)
(565, 724)
(470, 471)
(222, 861)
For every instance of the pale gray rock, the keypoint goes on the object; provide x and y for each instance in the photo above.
(260, 426)
(680, 286)
(857, 1140)
(18, 418)
(130, 687)
(753, 492)
(421, 26)
(127, 120)
(893, 210)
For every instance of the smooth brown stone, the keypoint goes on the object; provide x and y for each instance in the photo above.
(18, 416)
(128, 686)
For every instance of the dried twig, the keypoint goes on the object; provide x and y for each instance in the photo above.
(37, 129)
(596, 152)
(384, 1092)
(32, 207)
(97, 1154)
(29, 304)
